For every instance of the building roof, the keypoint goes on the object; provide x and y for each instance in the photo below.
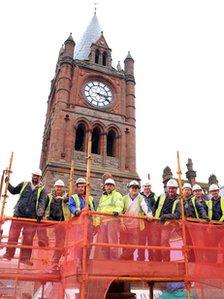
(90, 36)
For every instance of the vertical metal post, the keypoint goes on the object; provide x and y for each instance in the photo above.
(85, 224)
(70, 188)
(1, 184)
(151, 287)
(88, 171)
(42, 290)
(7, 172)
(187, 284)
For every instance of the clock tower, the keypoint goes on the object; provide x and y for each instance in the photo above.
(90, 98)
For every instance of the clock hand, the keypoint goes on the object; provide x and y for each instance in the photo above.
(102, 95)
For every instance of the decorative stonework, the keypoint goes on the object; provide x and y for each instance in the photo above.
(112, 162)
(67, 108)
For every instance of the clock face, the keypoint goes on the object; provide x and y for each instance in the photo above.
(98, 94)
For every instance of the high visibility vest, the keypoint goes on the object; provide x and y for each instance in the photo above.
(210, 212)
(126, 201)
(141, 213)
(65, 210)
(78, 203)
(111, 202)
(39, 190)
(193, 199)
(161, 204)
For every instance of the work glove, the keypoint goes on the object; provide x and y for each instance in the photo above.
(115, 214)
(77, 213)
(39, 218)
(6, 179)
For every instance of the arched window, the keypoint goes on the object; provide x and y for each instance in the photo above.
(96, 141)
(105, 58)
(80, 138)
(111, 143)
(97, 56)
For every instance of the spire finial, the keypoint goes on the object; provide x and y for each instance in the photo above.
(95, 7)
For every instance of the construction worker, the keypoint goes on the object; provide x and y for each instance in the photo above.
(186, 191)
(197, 209)
(56, 210)
(215, 209)
(188, 209)
(165, 208)
(145, 235)
(215, 206)
(134, 205)
(195, 206)
(77, 202)
(107, 227)
(31, 204)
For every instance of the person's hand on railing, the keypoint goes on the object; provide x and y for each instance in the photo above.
(115, 213)
(39, 218)
(149, 217)
(77, 213)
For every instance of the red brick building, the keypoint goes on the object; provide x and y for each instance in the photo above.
(89, 97)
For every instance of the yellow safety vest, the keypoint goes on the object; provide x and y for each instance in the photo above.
(77, 202)
(141, 213)
(193, 199)
(210, 212)
(162, 199)
(65, 210)
(39, 190)
(109, 203)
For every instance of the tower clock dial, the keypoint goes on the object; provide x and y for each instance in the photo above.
(98, 94)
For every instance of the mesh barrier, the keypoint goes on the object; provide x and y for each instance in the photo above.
(75, 260)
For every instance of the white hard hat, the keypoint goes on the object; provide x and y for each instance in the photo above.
(172, 183)
(213, 187)
(59, 183)
(37, 172)
(187, 185)
(80, 181)
(196, 187)
(146, 183)
(134, 183)
(109, 181)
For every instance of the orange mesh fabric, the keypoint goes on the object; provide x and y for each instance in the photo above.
(73, 258)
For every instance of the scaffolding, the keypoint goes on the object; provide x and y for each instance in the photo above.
(85, 269)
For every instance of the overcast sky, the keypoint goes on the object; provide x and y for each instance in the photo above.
(178, 48)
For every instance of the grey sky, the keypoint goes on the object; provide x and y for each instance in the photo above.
(178, 48)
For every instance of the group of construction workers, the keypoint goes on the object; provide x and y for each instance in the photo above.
(107, 227)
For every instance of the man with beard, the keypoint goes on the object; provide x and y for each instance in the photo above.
(31, 204)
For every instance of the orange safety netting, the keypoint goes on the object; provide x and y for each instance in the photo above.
(74, 260)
